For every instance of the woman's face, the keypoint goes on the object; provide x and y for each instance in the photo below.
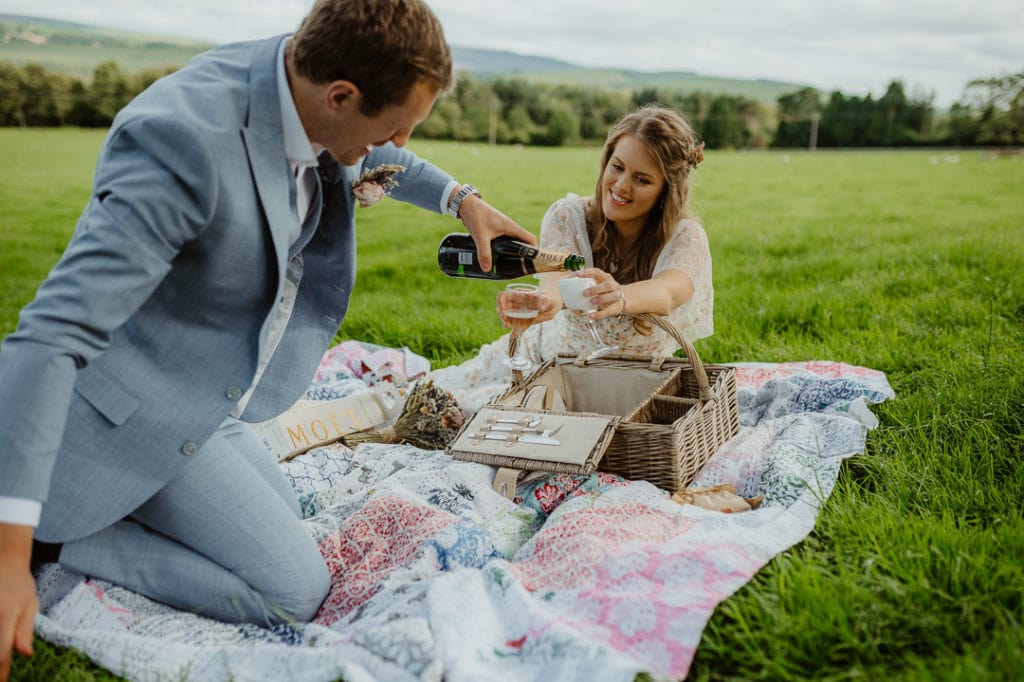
(631, 185)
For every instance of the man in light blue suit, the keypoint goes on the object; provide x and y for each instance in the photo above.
(205, 279)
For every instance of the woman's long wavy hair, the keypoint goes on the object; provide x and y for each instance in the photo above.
(668, 136)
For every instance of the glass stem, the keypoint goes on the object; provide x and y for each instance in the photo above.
(517, 358)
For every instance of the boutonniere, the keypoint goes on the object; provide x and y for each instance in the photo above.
(374, 184)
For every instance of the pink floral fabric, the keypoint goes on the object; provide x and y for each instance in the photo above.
(437, 577)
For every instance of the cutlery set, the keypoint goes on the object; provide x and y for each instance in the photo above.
(522, 430)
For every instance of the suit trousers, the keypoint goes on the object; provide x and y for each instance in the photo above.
(222, 539)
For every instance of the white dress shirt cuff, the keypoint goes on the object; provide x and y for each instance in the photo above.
(20, 511)
(446, 195)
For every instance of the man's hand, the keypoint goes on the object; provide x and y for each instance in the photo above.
(484, 223)
(18, 604)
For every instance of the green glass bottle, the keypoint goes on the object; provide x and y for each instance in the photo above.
(510, 258)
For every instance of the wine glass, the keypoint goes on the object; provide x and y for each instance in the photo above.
(520, 304)
(572, 288)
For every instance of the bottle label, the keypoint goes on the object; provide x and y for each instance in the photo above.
(548, 261)
(466, 258)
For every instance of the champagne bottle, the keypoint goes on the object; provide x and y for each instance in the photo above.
(510, 258)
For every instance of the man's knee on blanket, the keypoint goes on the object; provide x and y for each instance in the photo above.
(299, 593)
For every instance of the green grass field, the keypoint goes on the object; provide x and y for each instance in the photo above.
(907, 262)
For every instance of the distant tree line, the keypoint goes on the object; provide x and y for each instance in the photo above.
(32, 96)
(516, 111)
(990, 113)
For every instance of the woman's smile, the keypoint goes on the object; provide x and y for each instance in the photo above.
(618, 200)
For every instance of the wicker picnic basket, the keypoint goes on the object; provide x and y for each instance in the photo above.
(675, 412)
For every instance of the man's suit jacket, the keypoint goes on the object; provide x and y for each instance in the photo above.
(145, 334)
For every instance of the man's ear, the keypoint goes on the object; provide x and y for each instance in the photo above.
(342, 93)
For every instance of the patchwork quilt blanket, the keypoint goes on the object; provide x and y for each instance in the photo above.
(437, 577)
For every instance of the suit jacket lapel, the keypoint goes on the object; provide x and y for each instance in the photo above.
(264, 142)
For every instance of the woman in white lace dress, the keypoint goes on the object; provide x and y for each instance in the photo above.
(648, 253)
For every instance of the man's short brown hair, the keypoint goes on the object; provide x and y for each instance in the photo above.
(384, 47)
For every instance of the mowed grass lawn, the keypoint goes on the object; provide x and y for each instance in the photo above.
(907, 262)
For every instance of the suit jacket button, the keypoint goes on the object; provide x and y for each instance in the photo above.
(234, 393)
(189, 448)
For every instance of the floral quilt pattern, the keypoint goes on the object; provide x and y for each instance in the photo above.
(437, 577)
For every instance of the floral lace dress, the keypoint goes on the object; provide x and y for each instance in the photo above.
(564, 229)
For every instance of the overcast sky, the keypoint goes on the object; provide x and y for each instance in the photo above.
(856, 46)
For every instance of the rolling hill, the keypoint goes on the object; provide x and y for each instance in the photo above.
(76, 49)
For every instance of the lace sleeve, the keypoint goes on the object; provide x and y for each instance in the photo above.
(564, 228)
(688, 250)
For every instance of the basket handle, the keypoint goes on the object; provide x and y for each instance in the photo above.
(691, 353)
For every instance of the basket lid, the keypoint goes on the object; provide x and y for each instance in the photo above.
(535, 440)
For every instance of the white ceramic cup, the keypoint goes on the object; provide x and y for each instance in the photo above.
(571, 288)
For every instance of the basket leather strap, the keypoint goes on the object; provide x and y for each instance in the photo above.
(534, 397)
(505, 482)
(553, 400)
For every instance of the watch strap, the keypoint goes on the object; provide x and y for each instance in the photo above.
(455, 205)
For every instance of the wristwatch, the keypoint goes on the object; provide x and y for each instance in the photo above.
(456, 203)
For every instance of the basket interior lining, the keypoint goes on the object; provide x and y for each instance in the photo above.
(602, 390)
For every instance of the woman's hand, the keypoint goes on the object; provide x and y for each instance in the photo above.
(607, 294)
(554, 305)
(549, 285)
(546, 312)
